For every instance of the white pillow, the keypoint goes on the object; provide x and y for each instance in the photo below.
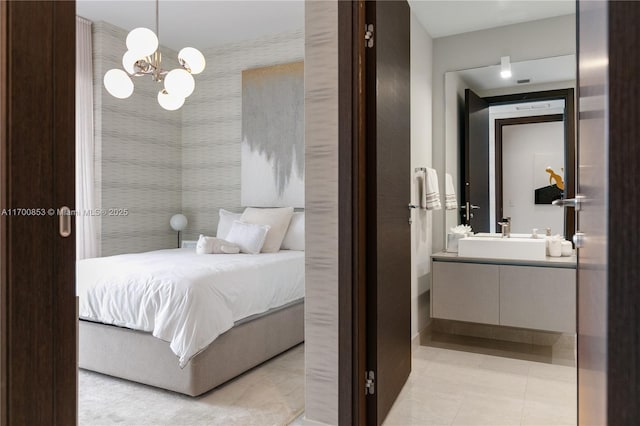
(212, 245)
(225, 222)
(249, 237)
(294, 238)
(278, 221)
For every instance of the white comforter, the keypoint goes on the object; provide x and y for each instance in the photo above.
(184, 298)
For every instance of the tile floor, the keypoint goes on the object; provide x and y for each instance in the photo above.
(471, 381)
(452, 387)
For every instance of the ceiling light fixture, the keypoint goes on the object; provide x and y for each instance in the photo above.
(505, 67)
(143, 58)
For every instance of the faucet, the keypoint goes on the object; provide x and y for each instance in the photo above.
(506, 227)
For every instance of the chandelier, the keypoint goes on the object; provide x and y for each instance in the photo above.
(144, 59)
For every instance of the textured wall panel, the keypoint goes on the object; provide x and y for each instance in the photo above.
(321, 193)
(212, 126)
(138, 155)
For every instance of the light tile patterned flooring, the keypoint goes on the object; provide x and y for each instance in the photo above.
(452, 387)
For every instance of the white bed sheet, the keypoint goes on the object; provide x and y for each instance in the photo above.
(184, 298)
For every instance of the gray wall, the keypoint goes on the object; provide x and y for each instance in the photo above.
(530, 40)
(137, 154)
(212, 124)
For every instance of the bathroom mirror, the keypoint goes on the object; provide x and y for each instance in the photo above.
(526, 129)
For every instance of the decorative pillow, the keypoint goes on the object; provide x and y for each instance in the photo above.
(212, 245)
(294, 238)
(225, 222)
(278, 221)
(249, 237)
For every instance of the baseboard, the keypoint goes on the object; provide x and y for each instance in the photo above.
(426, 330)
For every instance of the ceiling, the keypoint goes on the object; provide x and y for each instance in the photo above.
(445, 18)
(206, 23)
(199, 24)
(537, 71)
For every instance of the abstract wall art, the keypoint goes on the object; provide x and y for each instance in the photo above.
(272, 165)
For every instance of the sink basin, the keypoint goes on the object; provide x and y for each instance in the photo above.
(499, 235)
(502, 248)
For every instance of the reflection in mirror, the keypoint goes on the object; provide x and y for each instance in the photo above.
(503, 194)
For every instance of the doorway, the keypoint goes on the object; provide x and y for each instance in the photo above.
(181, 318)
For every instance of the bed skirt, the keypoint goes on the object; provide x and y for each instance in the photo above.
(140, 357)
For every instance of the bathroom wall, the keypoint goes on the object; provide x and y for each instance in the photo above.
(530, 40)
(421, 146)
(137, 154)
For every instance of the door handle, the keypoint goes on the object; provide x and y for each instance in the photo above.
(579, 239)
(64, 219)
(576, 202)
(467, 210)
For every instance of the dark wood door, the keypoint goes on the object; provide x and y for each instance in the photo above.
(37, 146)
(476, 162)
(388, 194)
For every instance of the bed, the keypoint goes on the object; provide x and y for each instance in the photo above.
(187, 322)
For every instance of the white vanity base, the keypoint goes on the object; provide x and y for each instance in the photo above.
(538, 295)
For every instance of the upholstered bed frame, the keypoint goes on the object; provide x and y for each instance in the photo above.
(140, 357)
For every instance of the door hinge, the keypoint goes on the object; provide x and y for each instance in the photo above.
(369, 382)
(368, 35)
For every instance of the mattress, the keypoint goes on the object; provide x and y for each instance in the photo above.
(183, 298)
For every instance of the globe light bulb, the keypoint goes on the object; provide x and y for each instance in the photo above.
(193, 59)
(143, 41)
(169, 102)
(129, 60)
(179, 82)
(118, 83)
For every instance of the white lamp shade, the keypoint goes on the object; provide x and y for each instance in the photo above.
(178, 222)
(143, 41)
(169, 102)
(129, 59)
(179, 82)
(193, 59)
(118, 83)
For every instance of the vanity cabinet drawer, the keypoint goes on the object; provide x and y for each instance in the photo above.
(538, 298)
(466, 292)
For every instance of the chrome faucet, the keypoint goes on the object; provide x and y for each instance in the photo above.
(506, 227)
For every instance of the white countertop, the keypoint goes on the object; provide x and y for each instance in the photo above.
(569, 262)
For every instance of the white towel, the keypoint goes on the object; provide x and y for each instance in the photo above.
(450, 200)
(420, 188)
(432, 196)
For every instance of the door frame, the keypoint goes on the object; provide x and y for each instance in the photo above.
(623, 273)
(352, 213)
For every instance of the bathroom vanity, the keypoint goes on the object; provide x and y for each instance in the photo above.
(534, 294)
